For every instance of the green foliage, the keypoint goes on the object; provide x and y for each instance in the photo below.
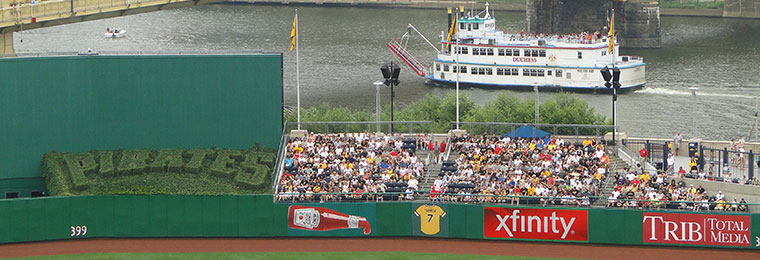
(224, 165)
(77, 166)
(57, 181)
(133, 162)
(168, 161)
(171, 171)
(563, 108)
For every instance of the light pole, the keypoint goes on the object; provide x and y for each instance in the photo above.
(615, 85)
(536, 114)
(377, 103)
(390, 73)
(457, 50)
(694, 118)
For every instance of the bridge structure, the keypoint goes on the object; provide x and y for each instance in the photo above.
(16, 16)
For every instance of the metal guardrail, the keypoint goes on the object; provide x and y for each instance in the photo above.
(569, 132)
(333, 127)
(546, 201)
(279, 165)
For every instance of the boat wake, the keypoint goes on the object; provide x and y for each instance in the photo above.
(675, 92)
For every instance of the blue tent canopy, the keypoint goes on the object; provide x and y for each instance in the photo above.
(528, 132)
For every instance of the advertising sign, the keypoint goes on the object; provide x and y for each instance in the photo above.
(324, 219)
(430, 220)
(696, 229)
(544, 224)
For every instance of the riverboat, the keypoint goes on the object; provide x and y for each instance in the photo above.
(474, 53)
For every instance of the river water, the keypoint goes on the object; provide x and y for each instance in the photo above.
(342, 48)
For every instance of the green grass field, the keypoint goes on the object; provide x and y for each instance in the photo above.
(270, 255)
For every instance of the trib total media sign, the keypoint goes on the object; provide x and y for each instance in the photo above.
(696, 229)
(544, 224)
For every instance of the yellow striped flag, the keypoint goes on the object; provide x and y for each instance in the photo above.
(451, 32)
(611, 38)
(293, 34)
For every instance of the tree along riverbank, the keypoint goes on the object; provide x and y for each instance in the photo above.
(563, 108)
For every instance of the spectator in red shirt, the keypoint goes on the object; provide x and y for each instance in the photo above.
(643, 153)
(441, 152)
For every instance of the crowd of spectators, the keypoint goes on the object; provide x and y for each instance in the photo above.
(361, 166)
(636, 188)
(493, 169)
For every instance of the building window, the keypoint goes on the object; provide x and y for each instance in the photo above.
(580, 55)
(559, 73)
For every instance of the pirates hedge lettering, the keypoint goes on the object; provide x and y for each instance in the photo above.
(170, 171)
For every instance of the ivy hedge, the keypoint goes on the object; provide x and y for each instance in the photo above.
(169, 171)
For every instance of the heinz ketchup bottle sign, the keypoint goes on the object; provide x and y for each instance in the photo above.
(330, 220)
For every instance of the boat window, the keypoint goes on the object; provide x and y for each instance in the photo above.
(559, 73)
(540, 73)
(534, 53)
(542, 53)
(438, 67)
(474, 70)
(604, 53)
(469, 27)
(475, 26)
(445, 67)
(491, 41)
(463, 69)
(568, 75)
(490, 51)
(526, 53)
(525, 72)
(462, 26)
(502, 52)
(515, 72)
(489, 71)
(548, 72)
(580, 55)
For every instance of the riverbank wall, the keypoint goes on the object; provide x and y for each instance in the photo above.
(433, 4)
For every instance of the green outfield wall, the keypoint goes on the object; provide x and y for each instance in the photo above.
(82, 103)
(56, 218)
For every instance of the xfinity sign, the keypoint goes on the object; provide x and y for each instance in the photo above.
(524, 223)
(699, 229)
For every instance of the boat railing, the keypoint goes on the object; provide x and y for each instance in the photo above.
(402, 52)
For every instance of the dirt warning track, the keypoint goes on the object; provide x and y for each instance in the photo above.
(450, 246)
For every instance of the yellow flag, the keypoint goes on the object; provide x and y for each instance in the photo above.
(293, 34)
(451, 32)
(611, 38)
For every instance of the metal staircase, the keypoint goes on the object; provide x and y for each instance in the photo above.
(407, 57)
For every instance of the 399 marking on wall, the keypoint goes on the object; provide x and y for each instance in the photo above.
(78, 231)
